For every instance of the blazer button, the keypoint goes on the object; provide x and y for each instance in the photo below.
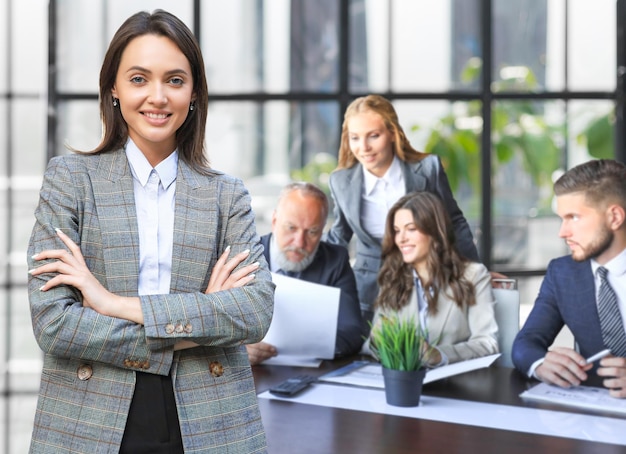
(84, 372)
(179, 328)
(128, 363)
(216, 369)
(145, 364)
(169, 328)
(188, 328)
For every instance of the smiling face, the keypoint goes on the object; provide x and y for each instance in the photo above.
(154, 86)
(371, 142)
(413, 244)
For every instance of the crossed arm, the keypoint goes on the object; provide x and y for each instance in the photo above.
(70, 269)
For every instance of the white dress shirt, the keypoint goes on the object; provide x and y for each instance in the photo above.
(378, 195)
(155, 190)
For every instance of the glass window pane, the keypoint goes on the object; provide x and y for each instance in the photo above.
(271, 46)
(20, 424)
(4, 46)
(422, 38)
(79, 126)
(591, 131)
(84, 30)
(519, 45)
(232, 137)
(28, 46)
(233, 45)
(29, 142)
(592, 45)
(526, 152)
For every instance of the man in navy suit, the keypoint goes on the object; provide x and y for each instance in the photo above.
(591, 202)
(295, 248)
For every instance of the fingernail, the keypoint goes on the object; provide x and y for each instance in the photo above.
(41, 288)
(34, 256)
(247, 251)
(58, 230)
(31, 271)
(256, 264)
(252, 275)
(227, 248)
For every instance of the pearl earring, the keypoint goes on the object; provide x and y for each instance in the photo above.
(115, 102)
(191, 106)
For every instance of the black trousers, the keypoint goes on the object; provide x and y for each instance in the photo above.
(152, 426)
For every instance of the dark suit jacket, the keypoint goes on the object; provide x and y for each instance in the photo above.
(331, 267)
(567, 297)
(346, 185)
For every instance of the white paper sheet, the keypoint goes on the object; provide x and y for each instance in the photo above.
(579, 396)
(304, 325)
(503, 417)
(364, 373)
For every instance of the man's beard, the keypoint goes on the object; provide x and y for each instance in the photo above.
(595, 248)
(287, 265)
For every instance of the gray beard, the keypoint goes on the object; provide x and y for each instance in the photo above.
(295, 267)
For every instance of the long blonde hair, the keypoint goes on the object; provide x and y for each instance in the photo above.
(381, 106)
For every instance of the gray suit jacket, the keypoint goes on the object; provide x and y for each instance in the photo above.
(90, 360)
(346, 186)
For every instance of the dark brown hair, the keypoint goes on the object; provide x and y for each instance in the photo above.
(190, 135)
(381, 106)
(603, 181)
(445, 266)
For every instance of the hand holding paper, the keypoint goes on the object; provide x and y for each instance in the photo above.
(304, 325)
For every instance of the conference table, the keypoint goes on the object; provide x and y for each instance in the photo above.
(293, 427)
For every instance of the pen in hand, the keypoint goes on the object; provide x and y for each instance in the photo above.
(598, 356)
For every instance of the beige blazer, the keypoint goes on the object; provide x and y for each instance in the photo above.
(464, 332)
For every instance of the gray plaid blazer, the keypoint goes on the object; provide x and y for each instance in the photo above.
(90, 360)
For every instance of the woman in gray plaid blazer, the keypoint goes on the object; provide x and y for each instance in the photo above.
(142, 296)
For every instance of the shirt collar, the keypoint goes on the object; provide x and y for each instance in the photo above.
(617, 265)
(392, 176)
(141, 168)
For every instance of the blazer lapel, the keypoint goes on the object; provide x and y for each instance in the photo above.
(437, 322)
(352, 194)
(197, 218)
(414, 180)
(112, 184)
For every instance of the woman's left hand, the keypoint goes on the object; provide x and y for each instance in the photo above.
(223, 277)
(71, 269)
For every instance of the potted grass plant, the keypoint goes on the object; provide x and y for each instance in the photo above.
(403, 350)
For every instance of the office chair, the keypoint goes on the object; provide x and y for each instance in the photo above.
(507, 318)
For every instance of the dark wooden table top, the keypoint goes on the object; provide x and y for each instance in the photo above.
(295, 428)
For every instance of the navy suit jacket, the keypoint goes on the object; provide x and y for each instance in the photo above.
(346, 186)
(331, 267)
(567, 297)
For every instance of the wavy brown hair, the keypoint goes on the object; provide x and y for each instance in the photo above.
(445, 265)
(381, 106)
(190, 135)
